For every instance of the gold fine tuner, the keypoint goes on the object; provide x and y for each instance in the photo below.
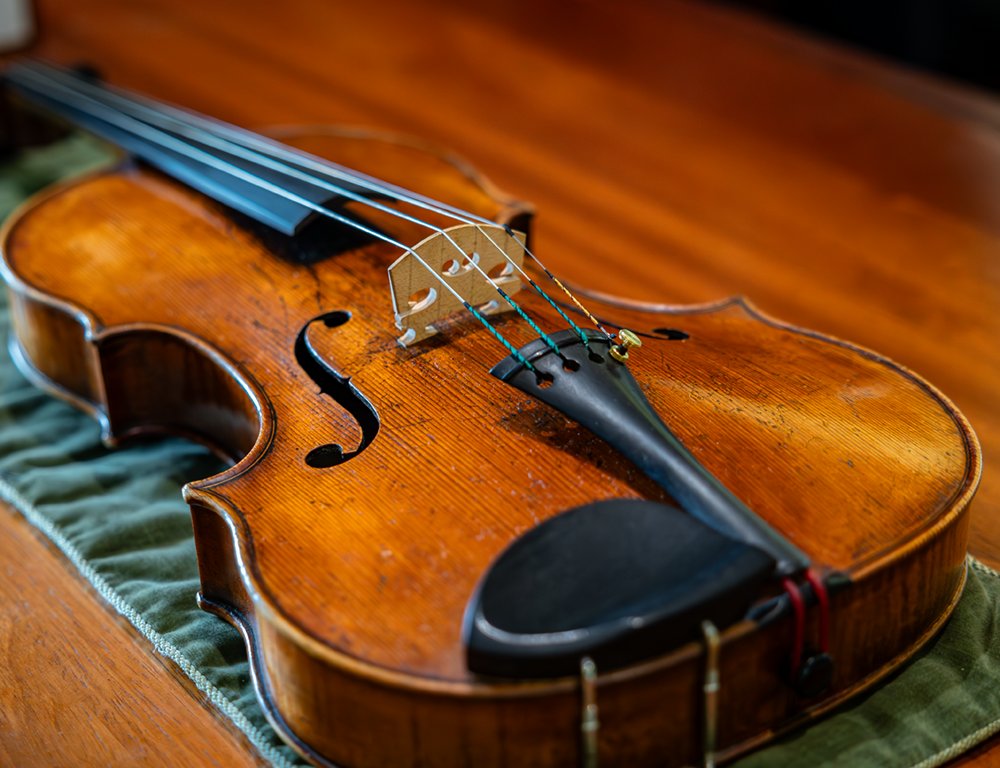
(626, 340)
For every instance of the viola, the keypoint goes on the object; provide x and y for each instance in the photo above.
(472, 515)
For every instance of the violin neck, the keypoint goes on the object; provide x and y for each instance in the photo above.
(259, 178)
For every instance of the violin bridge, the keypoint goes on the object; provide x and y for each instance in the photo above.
(420, 299)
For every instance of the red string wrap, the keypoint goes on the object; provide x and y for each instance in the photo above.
(823, 600)
(799, 617)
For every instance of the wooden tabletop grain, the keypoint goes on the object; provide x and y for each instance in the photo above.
(677, 152)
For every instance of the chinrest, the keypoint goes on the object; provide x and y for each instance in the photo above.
(618, 581)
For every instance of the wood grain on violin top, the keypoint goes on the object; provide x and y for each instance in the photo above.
(852, 459)
(675, 153)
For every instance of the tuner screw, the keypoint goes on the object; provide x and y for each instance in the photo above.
(627, 339)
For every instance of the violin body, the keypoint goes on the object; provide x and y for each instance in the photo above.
(158, 310)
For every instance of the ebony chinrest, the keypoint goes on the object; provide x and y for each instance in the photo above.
(619, 581)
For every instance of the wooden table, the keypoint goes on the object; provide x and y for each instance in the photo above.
(677, 152)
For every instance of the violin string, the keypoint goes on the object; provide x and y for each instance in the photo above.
(326, 167)
(263, 144)
(157, 136)
(565, 290)
(511, 233)
(239, 150)
(239, 136)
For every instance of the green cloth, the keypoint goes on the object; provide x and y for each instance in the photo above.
(118, 516)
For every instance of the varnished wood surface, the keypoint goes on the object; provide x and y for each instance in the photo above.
(674, 154)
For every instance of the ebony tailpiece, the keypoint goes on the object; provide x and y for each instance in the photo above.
(619, 580)
(602, 395)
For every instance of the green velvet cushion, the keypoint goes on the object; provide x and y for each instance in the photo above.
(118, 516)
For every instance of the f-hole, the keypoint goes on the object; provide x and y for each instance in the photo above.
(340, 389)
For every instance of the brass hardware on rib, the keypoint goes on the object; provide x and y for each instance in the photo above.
(710, 691)
(626, 340)
(589, 724)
